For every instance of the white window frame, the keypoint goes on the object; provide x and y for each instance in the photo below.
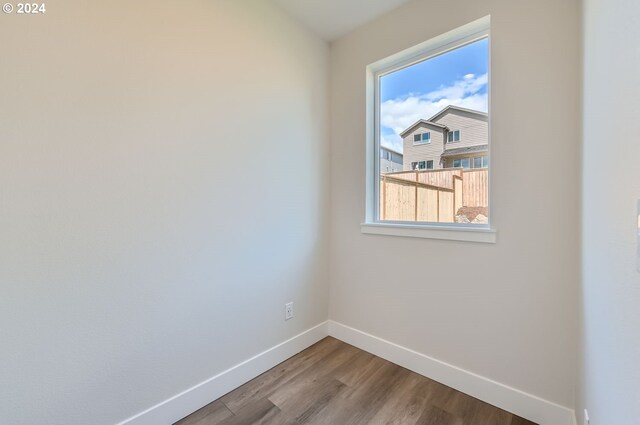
(422, 141)
(451, 133)
(444, 43)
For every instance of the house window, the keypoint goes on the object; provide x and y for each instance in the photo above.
(422, 138)
(480, 162)
(439, 85)
(461, 163)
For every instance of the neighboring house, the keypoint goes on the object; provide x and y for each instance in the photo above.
(390, 160)
(454, 137)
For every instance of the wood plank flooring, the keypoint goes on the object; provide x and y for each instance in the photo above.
(333, 383)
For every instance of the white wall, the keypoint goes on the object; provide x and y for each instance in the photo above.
(506, 311)
(136, 258)
(610, 337)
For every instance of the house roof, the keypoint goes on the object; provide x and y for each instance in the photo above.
(422, 122)
(462, 151)
(390, 150)
(457, 108)
(430, 121)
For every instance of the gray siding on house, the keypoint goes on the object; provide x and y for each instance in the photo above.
(387, 166)
(390, 161)
(423, 151)
(474, 131)
(474, 128)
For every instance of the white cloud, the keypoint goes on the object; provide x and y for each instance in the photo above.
(392, 141)
(399, 114)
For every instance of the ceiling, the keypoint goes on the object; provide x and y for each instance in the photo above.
(332, 19)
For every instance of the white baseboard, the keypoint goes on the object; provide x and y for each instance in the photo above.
(515, 401)
(528, 406)
(181, 405)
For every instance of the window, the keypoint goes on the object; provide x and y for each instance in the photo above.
(441, 86)
(481, 162)
(422, 138)
(461, 163)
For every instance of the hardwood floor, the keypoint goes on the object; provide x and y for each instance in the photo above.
(333, 383)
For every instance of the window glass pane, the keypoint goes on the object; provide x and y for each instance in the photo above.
(429, 90)
(485, 161)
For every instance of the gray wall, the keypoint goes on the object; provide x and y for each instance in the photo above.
(135, 260)
(512, 314)
(610, 337)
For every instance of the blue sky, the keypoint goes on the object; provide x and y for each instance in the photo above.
(418, 92)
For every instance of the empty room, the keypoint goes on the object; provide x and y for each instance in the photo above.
(320, 212)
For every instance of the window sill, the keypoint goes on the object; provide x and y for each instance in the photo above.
(475, 234)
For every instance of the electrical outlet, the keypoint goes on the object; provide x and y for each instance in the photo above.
(586, 417)
(288, 311)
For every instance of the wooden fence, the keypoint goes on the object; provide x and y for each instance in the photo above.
(431, 196)
(475, 188)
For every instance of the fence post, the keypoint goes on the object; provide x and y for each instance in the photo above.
(384, 198)
(416, 203)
